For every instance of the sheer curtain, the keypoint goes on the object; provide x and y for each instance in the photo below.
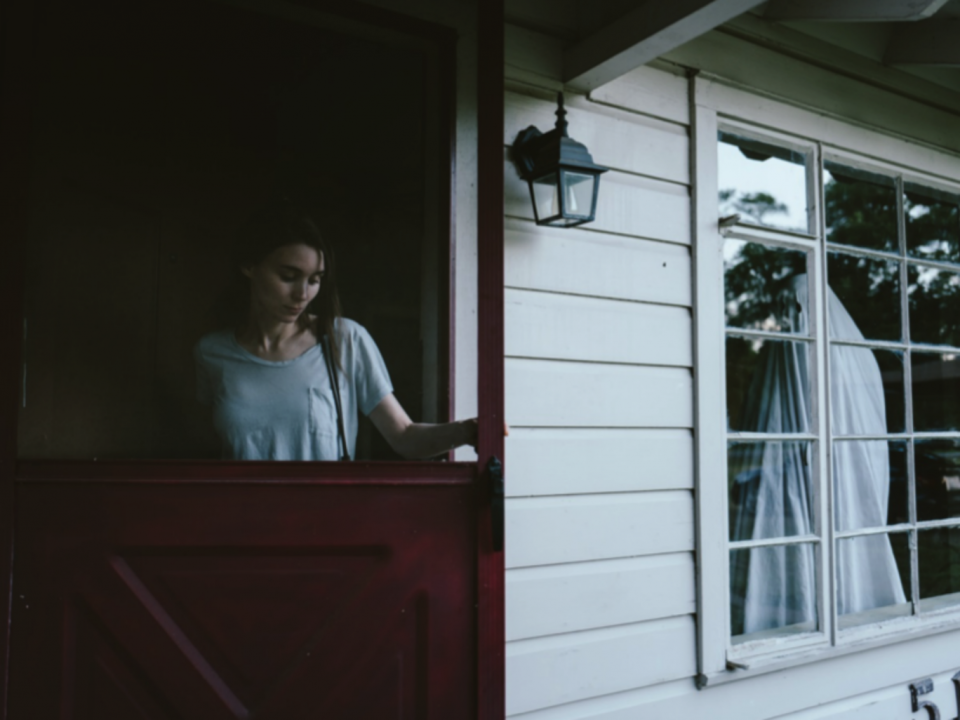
(772, 493)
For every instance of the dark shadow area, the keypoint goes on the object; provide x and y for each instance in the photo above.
(158, 126)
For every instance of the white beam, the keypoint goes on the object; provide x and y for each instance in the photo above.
(652, 29)
(935, 42)
(853, 10)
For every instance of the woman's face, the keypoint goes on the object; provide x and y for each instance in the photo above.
(285, 281)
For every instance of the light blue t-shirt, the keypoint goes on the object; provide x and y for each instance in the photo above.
(265, 410)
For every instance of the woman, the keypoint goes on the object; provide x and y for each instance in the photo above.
(268, 377)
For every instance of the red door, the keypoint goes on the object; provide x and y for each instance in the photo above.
(347, 597)
(206, 589)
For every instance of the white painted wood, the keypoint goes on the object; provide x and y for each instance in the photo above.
(836, 46)
(887, 704)
(548, 531)
(465, 260)
(756, 81)
(853, 10)
(566, 598)
(566, 327)
(934, 42)
(710, 418)
(646, 32)
(616, 139)
(842, 688)
(562, 461)
(584, 262)
(542, 393)
(627, 204)
(551, 671)
(649, 91)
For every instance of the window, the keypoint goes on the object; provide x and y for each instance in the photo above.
(841, 344)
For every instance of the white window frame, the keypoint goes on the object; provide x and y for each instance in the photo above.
(718, 106)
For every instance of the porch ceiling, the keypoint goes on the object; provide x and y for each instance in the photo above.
(619, 35)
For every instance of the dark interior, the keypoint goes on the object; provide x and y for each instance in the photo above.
(157, 127)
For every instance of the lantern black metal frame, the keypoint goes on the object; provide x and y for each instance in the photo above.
(557, 163)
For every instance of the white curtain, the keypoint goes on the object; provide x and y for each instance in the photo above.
(772, 494)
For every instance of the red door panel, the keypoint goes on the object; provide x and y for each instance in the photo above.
(209, 601)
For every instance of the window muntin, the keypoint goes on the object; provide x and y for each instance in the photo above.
(874, 269)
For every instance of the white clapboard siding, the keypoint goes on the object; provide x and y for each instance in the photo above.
(551, 671)
(624, 141)
(888, 704)
(566, 598)
(563, 461)
(547, 531)
(627, 204)
(567, 327)
(544, 393)
(648, 90)
(597, 264)
(841, 688)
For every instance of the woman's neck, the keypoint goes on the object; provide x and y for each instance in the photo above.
(267, 336)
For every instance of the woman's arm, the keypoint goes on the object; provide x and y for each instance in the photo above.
(419, 440)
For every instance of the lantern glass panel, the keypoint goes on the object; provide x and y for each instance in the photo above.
(546, 198)
(578, 194)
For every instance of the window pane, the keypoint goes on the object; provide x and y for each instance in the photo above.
(860, 208)
(934, 306)
(579, 187)
(773, 591)
(933, 224)
(771, 493)
(768, 389)
(764, 184)
(869, 483)
(937, 465)
(936, 391)
(873, 579)
(546, 196)
(939, 564)
(865, 297)
(866, 389)
(763, 286)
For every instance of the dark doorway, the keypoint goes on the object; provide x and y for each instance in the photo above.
(158, 125)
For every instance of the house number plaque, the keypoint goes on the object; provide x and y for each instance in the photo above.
(925, 687)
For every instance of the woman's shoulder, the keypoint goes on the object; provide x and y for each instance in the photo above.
(348, 328)
(354, 338)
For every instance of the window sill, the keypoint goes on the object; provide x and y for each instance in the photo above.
(851, 641)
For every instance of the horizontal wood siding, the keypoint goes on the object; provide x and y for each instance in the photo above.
(565, 668)
(599, 462)
(545, 393)
(563, 327)
(577, 528)
(566, 598)
(565, 461)
(648, 90)
(583, 262)
(872, 684)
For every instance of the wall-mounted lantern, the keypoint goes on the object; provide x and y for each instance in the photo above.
(563, 178)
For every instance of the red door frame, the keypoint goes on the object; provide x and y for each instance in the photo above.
(15, 127)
